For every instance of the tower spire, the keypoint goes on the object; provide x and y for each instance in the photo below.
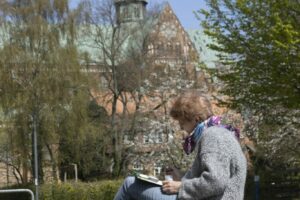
(130, 10)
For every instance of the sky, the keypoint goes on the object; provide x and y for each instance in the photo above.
(182, 8)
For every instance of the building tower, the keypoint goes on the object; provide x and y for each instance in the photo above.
(130, 10)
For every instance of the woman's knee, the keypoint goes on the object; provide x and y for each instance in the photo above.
(129, 180)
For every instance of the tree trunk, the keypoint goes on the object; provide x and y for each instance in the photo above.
(53, 163)
(24, 158)
(25, 171)
(115, 140)
(137, 108)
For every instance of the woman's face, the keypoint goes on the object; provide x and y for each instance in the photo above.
(187, 125)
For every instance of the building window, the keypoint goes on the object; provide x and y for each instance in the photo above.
(151, 49)
(169, 47)
(146, 139)
(153, 138)
(126, 139)
(178, 49)
(159, 138)
(160, 48)
(186, 50)
(137, 166)
(125, 13)
(103, 82)
(136, 12)
(157, 169)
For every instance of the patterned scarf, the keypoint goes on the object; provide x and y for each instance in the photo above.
(191, 141)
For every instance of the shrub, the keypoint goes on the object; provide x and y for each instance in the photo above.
(100, 190)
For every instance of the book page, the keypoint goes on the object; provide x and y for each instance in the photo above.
(150, 179)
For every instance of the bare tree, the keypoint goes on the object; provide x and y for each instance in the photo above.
(121, 57)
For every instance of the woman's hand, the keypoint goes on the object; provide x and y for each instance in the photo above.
(171, 187)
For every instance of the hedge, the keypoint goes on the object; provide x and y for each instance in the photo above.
(101, 190)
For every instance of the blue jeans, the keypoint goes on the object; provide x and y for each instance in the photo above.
(134, 189)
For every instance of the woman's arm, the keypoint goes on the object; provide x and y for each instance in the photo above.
(211, 182)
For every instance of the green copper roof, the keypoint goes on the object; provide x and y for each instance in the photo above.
(201, 41)
(130, 41)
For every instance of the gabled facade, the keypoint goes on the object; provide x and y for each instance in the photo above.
(174, 42)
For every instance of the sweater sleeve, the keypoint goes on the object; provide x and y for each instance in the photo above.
(211, 182)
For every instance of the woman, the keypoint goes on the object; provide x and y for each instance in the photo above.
(219, 168)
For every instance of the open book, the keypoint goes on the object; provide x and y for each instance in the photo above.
(150, 179)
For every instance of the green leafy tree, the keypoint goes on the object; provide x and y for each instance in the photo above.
(42, 86)
(258, 44)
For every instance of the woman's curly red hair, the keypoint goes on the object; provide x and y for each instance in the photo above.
(190, 106)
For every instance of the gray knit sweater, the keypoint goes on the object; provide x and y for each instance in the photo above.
(219, 170)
